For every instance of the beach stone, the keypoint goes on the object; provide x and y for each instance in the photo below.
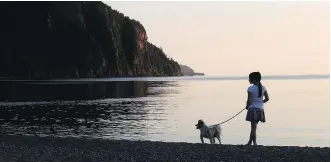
(31, 148)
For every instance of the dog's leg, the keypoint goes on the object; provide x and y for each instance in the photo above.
(219, 139)
(201, 138)
(211, 140)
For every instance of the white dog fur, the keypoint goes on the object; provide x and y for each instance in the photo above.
(210, 132)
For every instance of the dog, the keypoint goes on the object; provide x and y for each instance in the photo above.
(210, 132)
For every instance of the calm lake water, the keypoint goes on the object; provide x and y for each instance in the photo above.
(298, 113)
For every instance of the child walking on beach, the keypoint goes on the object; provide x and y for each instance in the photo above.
(255, 104)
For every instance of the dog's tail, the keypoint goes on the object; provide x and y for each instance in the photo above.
(219, 129)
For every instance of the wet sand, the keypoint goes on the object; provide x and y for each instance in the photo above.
(34, 149)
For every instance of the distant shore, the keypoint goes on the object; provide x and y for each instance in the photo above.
(193, 77)
(30, 148)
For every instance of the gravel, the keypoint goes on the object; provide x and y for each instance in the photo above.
(35, 149)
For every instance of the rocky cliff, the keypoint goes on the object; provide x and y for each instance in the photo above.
(76, 39)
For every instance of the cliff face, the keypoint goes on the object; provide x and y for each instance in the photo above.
(76, 39)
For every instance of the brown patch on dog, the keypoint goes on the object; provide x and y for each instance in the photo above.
(200, 124)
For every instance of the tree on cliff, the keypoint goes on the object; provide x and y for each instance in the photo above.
(76, 39)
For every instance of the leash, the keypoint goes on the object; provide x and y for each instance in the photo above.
(232, 117)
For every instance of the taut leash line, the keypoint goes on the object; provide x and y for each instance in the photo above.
(232, 117)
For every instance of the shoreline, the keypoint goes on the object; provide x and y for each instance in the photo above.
(32, 148)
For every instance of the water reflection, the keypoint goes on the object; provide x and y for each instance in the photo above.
(131, 109)
(50, 91)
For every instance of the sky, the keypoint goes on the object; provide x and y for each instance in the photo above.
(236, 38)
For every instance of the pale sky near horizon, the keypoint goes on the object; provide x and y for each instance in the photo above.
(235, 38)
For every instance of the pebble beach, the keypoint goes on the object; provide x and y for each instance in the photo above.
(35, 149)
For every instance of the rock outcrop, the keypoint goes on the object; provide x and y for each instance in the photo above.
(187, 71)
(76, 39)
